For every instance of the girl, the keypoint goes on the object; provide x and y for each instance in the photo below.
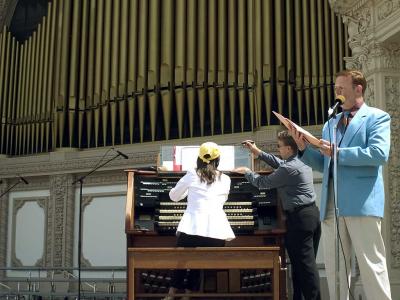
(204, 222)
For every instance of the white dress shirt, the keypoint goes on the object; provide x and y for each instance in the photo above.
(204, 214)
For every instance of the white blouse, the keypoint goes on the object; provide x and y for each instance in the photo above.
(204, 214)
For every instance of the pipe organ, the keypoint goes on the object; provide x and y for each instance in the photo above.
(152, 219)
(99, 73)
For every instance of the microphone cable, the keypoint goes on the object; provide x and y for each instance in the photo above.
(336, 215)
(105, 154)
(102, 158)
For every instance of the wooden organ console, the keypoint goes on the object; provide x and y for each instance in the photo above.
(151, 222)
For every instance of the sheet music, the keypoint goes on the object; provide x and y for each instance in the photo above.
(289, 123)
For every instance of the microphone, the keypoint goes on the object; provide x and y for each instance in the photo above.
(23, 179)
(338, 101)
(122, 154)
(247, 141)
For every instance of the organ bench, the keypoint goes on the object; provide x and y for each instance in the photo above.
(207, 258)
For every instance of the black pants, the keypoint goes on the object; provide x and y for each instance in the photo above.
(302, 239)
(192, 276)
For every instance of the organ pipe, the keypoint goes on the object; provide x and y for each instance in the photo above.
(104, 72)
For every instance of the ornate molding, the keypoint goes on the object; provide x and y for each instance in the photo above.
(3, 225)
(60, 222)
(106, 178)
(369, 95)
(386, 8)
(368, 53)
(343, 6)
(381, 56)
(358, 27)
(86, 200)
(72, 165)
(392, 94)
(85, 262)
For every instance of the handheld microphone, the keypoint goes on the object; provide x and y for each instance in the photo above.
(338, 101)
(122, 154)
(23, 179)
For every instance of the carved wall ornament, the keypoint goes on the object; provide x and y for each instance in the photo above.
(3, 225)
(60, 238)
(375, 56)
(358, 21)
(359, 37)
(15, 262)
(392, 96)
(369, 94)
(382, 56)
(367, 53)
(392, 90)
(387, 8)
(50, 228)
(86, 200)
(85, 263)
(344, 6)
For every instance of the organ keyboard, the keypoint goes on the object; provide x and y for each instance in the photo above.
(247, 208)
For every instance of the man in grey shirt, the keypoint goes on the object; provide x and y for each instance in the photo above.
(294, 182)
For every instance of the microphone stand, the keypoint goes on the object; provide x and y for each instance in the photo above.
(80, 180)
(332, 115)
(335, 219)
(10, 188)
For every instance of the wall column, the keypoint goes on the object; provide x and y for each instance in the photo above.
(60, 222)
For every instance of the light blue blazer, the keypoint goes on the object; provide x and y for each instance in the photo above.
(362, 153)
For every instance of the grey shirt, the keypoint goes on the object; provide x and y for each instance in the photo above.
(292, 178)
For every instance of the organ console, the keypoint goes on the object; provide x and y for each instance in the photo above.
(152, 219)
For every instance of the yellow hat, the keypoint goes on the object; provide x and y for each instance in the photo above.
(208, 152)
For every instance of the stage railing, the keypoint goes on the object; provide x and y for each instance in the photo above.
(62, 283)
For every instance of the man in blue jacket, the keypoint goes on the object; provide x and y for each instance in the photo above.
(363, 144)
